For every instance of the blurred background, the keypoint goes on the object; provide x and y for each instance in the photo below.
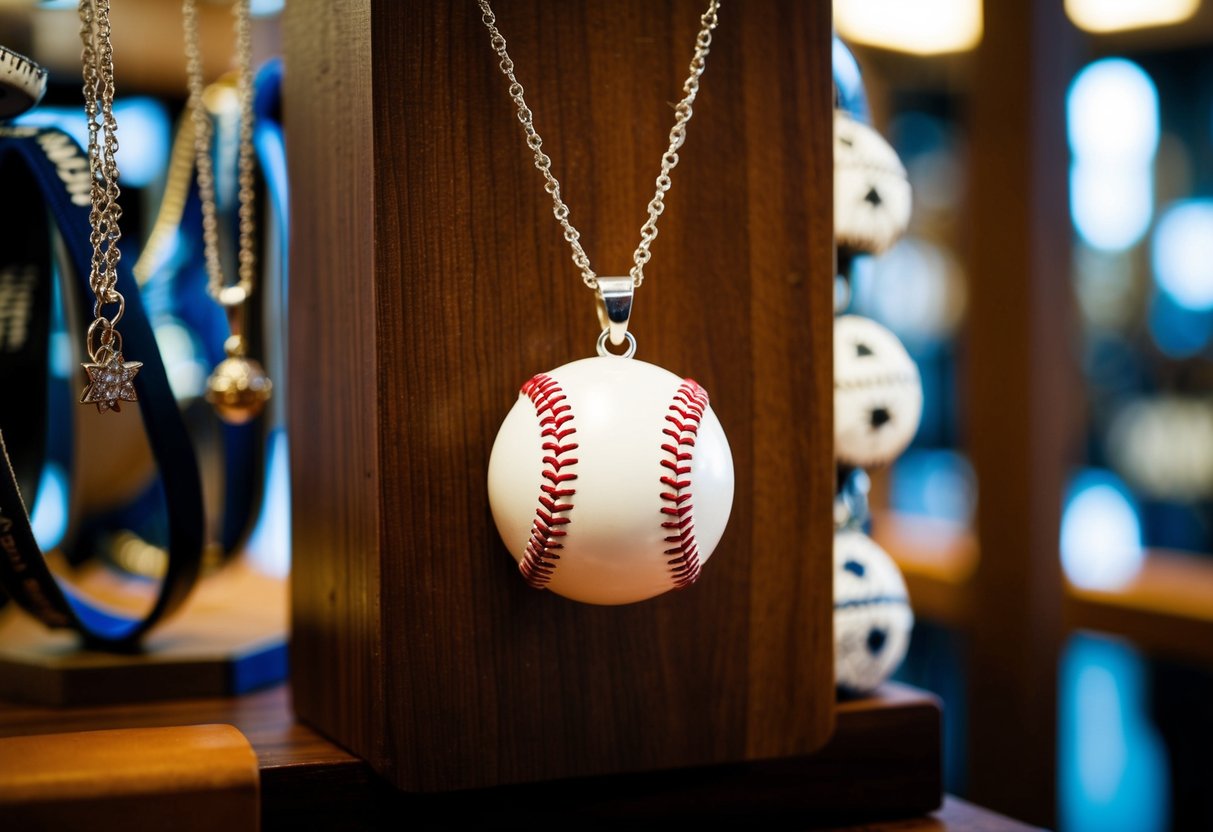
(123, 517)
(1054, 514)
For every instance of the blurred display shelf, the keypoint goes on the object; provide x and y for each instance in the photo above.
(229, 638)
(885, 753)
(146, 37)
(1167, 608)
(937, 557)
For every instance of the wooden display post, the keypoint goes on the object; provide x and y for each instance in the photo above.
(429, 281)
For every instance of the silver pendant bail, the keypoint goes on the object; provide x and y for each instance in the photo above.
(615, 305)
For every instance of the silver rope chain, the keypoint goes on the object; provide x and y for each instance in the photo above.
(669, 159)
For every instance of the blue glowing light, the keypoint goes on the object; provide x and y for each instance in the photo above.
(1112, 113)
(143, 135)
(1112, 772)
(848, 82)
(1101, 540)
(68, 119)
(934, 483)
(182, 356)
(49, 517)
(269, 545)
(62, 359)
(911, 290)
(1111, 205)
(271, 154)
(1113, 127)
(1179, 331)
(265, 8)
(1182, 254)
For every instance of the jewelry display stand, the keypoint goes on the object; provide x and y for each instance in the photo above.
(429, 281)
(229, 638)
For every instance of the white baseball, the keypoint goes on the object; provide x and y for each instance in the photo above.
(877, 393)
(611, 481)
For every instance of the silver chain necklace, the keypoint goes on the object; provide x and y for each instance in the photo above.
(615, 293)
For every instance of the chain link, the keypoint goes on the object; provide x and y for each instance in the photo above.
(97, 59)
(217, 288)
(669, 159)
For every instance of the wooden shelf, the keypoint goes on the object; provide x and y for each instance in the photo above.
(305, 779)
(231, 637)
(885, 751)
(1167, 609)
(265, 717)
(937, 558)
(886, 747)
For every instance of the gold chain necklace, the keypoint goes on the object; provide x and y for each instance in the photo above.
(110, 376)
(614, 293)
(239, 387)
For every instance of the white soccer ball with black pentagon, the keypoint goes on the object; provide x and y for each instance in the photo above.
(872, 615)
(877, 393)
(872, 199)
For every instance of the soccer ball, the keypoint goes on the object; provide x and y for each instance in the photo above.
(872, 199)
(872, 615)
(877, 393)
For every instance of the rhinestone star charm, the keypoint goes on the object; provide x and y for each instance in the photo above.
(110, 383)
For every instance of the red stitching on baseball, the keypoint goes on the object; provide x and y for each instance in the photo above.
(685, 414)
(542, 550)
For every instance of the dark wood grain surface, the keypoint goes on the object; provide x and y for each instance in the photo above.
(429, 280)
(882, 762)
(332, 411)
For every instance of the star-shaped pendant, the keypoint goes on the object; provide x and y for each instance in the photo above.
(110, 383)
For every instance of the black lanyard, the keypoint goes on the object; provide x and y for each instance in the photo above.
(40, 170)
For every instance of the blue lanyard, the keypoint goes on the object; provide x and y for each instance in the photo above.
(51, 161)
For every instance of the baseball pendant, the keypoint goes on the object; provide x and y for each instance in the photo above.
(611, 481)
